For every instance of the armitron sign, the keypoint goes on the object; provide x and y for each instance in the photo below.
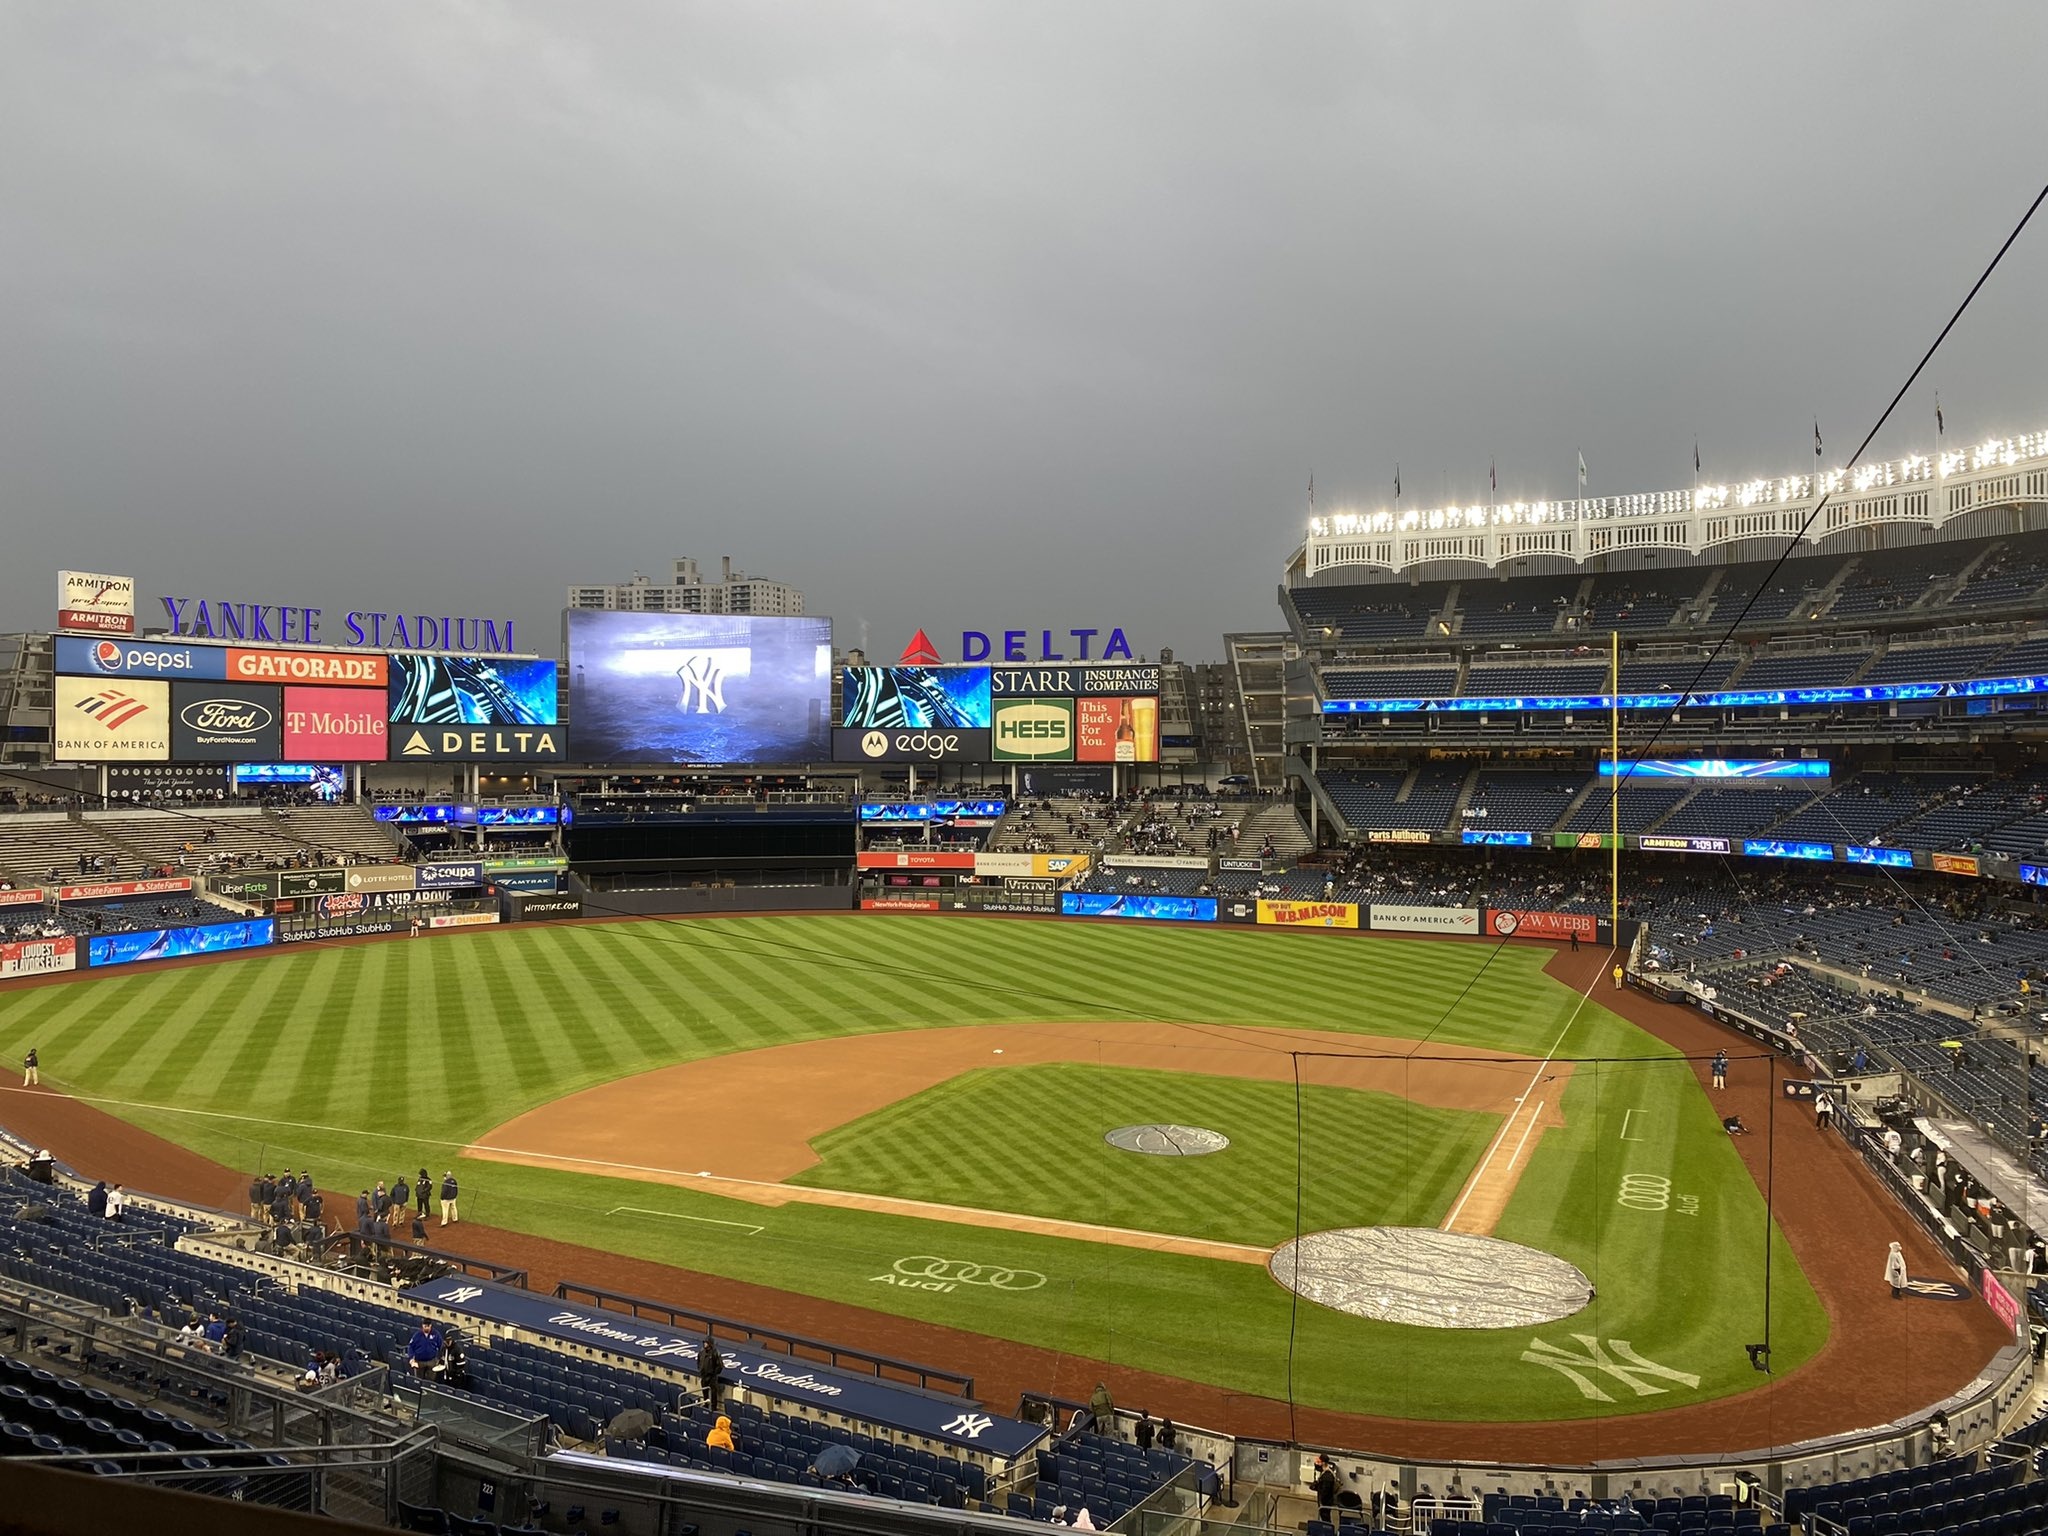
(89, 603)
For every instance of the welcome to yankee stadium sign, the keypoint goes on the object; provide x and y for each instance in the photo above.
(953, 1419)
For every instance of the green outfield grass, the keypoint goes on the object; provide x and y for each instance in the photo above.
(1030, 1139)
(365, 1061)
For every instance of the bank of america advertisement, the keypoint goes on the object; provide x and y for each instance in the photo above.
(108, 720)
(699, 688)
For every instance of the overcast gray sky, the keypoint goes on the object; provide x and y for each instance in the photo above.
(1025, 315)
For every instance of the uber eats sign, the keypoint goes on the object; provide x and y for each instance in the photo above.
(1034, 730)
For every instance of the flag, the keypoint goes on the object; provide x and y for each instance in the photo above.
(1493, 477)
(1816, 437)
(1940, 426)
(1695, 456)
(1582, 473)
(1397, 482)
(1311, 493)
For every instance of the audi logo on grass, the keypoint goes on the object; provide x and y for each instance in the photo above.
(929, 1272)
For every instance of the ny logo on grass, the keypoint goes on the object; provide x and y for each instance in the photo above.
(1626, 1369)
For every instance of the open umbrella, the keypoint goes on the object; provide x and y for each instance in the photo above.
(835, 1461)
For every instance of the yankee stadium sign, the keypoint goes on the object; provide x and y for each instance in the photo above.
(284, 624)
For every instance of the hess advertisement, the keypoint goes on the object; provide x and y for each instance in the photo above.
(1034, 730)
(111, 722)
(332, 725)
(699, 688)
(225, 722)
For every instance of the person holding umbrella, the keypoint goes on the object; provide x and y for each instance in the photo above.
(835, 1464)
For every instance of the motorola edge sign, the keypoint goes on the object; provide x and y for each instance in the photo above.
(919, 744)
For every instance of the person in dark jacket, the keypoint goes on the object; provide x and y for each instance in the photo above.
(258, 1206)
(1326, 1491)
(710, 1372)
(401, 1196)
(1144, 1432)
(449, 1190)
(305, 1193)
(313, 1205)
(281, 1204)
(96, 1202)
(380, 1201)
(362, 1208)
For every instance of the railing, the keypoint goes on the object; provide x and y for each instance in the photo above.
(929, 1378)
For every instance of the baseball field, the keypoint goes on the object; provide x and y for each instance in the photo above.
(910, 1115)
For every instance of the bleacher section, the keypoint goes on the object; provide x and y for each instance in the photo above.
(1520, 800)
(1391, 682)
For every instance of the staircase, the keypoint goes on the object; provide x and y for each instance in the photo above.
(1282, 823)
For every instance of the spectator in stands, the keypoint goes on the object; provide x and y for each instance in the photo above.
(1169, 1437)
(1823, 1110)
(449, 1190)
(1895, 1270)
(31, 1069)
(720, 1438)
(215, 1332)
(42, 1167)
(232, 1338)
(1325, 1486)
(1144, 1432)
(710, 1371)
(422, 1349)
(117, 1202)
(96, 1202)
(1103, 1407)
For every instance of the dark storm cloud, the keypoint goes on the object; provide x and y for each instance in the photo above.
(958, 315)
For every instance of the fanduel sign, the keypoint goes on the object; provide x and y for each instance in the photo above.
(1071, 645)
(284, 624)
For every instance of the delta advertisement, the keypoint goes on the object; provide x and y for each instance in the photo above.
(38, 957)
(1162, 909)
(126, 722)
(1386, 919)
(730, 689)
(1308, 914)
(1509, 923)
(95, 604)
(105, 949)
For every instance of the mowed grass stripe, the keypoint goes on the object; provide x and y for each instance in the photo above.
(1030, 1140)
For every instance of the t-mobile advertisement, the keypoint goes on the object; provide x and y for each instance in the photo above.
(335, 725)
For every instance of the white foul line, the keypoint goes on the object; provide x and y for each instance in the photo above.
(1508, 1124)
(1534, 1115)
(640, 1210)
(1624, 1124)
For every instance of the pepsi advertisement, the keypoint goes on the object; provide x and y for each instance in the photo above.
(472, 690)
(726, 689)
(81, 657)
(915, 697)
(1163, 909)
(172, 943)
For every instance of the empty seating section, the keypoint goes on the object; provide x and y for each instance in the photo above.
(1884, 581)
(1363, 799)
(1864, 807)
(1947, 1495)
(1971, 808)
(1491, 679)
(1742, 810)
(1644, 803)
(1392, 612)
(1430, 798)
(181, 840)
(348, 830)
(1635, 600)
(2015, 571)
(2025, 659)
(1934, 663)
(1507, 800)
(1678, 674)
(1822, 669)
(39, 846)
(1525, 606)
(1503, 1514)
(1391, 682)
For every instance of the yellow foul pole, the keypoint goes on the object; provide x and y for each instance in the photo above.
(1614, 799)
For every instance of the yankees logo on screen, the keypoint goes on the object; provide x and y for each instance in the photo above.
(703, 675)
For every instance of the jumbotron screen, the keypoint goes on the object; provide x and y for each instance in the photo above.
(699, 688)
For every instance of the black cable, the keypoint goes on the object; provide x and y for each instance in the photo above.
(1294, 1289)
(1664, 716)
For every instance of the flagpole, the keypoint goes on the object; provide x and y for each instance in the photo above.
(1614, 799)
